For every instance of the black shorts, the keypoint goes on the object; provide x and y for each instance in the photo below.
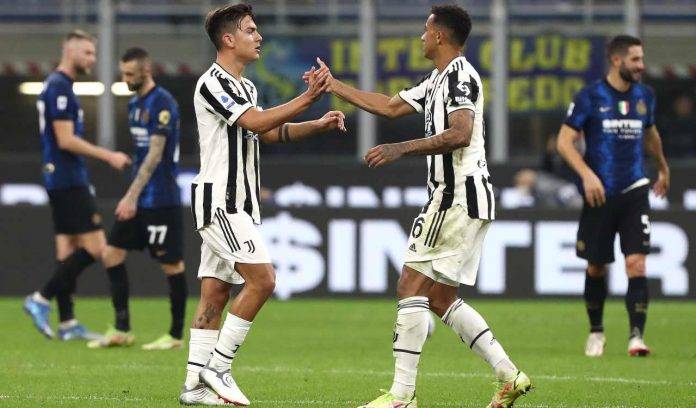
(628, 214)
(74, 211)
(158, 229)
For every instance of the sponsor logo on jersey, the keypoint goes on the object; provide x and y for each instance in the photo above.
(623, 107)
(604, 109)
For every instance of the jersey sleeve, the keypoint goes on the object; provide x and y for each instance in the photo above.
(415, 95)
(461, 91)
(59, 102)
(225, 102)
(650, 115)
(163, 117)
(579, 111)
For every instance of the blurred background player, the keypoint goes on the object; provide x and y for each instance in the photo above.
(617, 117)
(79, 236)
(149, 214)
(446, 240)
(225, 199)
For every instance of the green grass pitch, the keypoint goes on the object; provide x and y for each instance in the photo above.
(337, 353)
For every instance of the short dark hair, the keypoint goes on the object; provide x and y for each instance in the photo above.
(455, 19)
(135, 53)
(80, 35)
(221, 18)
(620, 44)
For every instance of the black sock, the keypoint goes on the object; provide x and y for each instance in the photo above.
(177, 302)
(65, 302)
(118, 277)
(66, 273)
(595, 295)
(637, 304)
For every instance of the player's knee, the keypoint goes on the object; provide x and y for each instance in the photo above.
(171, 269)
(635, 266)
(112, 256)
(267, 284)
(438, 305)
(597, 271)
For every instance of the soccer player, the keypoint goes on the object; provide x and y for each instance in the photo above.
(445, 243)
(225, 199)
(617, 117)
(79, 236)
(149, 214)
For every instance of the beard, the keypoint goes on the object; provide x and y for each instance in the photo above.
(627, 75)
(135, 86)
(82, 70)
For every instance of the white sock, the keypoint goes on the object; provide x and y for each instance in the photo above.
(38, 298)
(410, 332)
(201, 344)
(474, 331)
(231, 338)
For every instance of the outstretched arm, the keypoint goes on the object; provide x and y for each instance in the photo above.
(373, 102)
(458, 135)
(262, 121)
(653, 146)
(128, 205)
(293, 132)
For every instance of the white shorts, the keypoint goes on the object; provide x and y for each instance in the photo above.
(446, 246)
(229, 239)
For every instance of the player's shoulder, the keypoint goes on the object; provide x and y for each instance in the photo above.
(645, 90)
(592, 89)
(57, 81)
(248, 83)
(164, 98)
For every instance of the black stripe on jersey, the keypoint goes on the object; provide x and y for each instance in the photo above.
(231, 193)
(193, 203)
(207, 202)
(258, 178)
(225, 83)
(471, 199)
(248, 203)
(488, 197)
(448, 170)
(248, 207)
(213, 102)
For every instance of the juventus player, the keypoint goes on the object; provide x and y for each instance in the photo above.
(444, 247)
(225, 199)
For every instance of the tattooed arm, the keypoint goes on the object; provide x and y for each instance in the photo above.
(127, 207)
(456, 136)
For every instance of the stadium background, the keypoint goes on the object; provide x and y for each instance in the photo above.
(334, 227)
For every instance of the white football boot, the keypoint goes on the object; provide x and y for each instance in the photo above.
(200, 395)
(223, 384)
(595, 344)
(637, 347)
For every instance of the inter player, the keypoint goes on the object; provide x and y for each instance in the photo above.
(225, 199)
(77, 224)
(445, 244)
(149, 214)
(617, 117)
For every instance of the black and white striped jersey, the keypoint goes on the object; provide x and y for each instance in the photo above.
(229, 173)
(459, 177)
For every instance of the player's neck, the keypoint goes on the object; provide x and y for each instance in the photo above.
(147, 87)
(67, 69)
(231, 65)
(443, 59)
(617, 82)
